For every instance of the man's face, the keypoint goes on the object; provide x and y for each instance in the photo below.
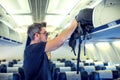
(43, 34)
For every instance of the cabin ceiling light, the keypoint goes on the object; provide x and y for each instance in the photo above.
(116, 43)
(90, 46)
(23, 20)
(54, 20)
(101, 43)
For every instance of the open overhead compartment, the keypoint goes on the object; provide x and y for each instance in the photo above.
(106, 21)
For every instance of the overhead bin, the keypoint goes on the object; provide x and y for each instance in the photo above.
(106, 20)
(2, 11)
(4, 30)
(106, 12)
(13, 35)
(7, 34)
(107, 32)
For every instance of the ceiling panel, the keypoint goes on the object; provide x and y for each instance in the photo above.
(54, 20)
(23, 19)
(57, 13)
(19, 10)
(61, 6)
(15, 6)
(38, 9)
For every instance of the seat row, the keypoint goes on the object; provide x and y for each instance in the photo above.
(95, 75)
(10, 76)
(14, 72)
(11, 63)
(61, 67)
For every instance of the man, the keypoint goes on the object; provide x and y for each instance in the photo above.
(36, 65)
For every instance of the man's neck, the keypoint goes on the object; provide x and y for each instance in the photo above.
(34, 42)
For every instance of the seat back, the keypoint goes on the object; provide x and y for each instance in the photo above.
(72, 75)
(9, 76)
(12, 69)
(60, 69)
(21, 73)
(89, 69)
(104, 74)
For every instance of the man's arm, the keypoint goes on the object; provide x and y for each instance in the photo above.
(60, 39)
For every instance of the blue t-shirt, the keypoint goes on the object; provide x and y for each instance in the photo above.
(36, 64)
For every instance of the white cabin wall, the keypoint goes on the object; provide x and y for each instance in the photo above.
(116, 47)
(107, 51)
(66, 52)
(104, 51)
(63, 52)
(11, 52)
(91, 50)
(14, 51)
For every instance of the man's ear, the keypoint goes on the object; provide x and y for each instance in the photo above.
(36, 35)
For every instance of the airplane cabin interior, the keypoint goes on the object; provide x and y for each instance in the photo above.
(96, 54)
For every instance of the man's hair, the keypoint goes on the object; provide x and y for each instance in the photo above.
(34, 28)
